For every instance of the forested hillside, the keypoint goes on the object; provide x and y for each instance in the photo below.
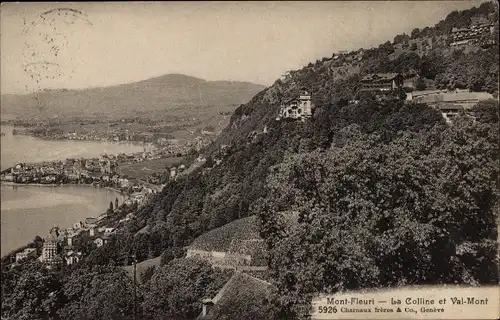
(418, 209)
(387, 192)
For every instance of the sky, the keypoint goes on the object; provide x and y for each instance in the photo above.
(81, 45)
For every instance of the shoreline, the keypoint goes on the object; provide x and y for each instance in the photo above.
(138, 143)
(8, 183)
(48, 138)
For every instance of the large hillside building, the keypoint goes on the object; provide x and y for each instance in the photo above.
(479, 27)
(381, 82)
(25, 254)
(50, 255)
(299, 108)
(450, 103)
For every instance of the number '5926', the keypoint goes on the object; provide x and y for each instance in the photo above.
(327, 309)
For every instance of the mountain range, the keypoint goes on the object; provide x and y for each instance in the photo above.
(150, 95)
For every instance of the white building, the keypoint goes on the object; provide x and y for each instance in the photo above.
(8, 177)
(101, 240)
(92, 229)
(108, 230)
(297, 108)
(73, 257)
(286, 76)
(28, 252)
(78, 225)
(49, 250)
(124, 183)
(201, 158)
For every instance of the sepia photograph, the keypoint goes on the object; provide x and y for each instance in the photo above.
(250, 160)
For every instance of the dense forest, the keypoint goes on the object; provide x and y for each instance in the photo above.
(385, 192)
(418, 209)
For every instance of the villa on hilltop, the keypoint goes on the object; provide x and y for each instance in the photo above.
(298, 108)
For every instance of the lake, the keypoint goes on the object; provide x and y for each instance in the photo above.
(21, 148)
(30, 211)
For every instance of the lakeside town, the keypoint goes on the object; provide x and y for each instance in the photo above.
(68, 245)
(106, 171)
(159, 145)
(116, 132)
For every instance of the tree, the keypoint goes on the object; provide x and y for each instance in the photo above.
(415, 33)
(432, 65)
(110, 209)
(148, 274)
(141, 246)
(209, 163)
(343, 102)
(177, 288)
(362, 95)
(405, 63)
(387, 47)
(478, 72)
(30, 292)
(487, 112)
(380, 214)
(98, 292)
(170, 254)
(116, 203)
(426, 32)
(401, 38)
(38, 244)
(420, 83)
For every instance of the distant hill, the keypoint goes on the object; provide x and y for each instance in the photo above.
(162, 93)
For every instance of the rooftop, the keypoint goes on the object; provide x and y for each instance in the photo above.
(103, 237)
(242, 297)
(456, 96)
(460, 29)
(476, 20)
(380, 76)
(426, 92)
